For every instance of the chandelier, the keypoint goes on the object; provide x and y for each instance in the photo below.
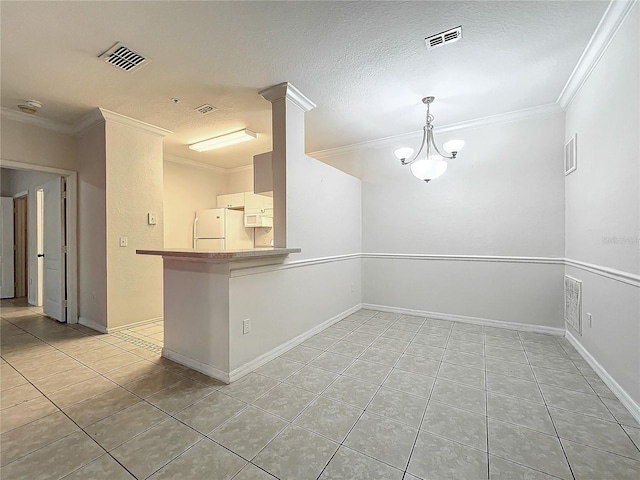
(429, 162)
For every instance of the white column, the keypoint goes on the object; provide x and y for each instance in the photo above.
(287, 113)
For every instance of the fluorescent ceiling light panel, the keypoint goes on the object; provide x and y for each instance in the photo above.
(224, 140)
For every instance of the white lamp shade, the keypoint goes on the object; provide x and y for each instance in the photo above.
(403, 153)
(453, 146)
(429, 168)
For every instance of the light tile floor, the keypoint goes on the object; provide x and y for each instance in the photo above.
(377, 396)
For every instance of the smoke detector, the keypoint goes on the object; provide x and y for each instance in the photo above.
(443, 38)
(124, 58)
(30, 106)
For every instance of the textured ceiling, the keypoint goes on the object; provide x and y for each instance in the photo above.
(364, 63)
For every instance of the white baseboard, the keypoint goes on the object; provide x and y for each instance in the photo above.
(614, 386)
(133, 325)
(93, 325)
(523, 327)
(250, 366)
(195, 365)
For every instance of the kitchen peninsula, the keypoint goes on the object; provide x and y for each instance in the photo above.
(197, 315)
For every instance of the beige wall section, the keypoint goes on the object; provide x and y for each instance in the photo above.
(16, 181)
(240, 180)
(187, 189)
(134, 188)
(92, 227)
(26, 143)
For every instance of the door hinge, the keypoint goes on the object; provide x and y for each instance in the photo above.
(64, 303)
(64, 249)
(15, 247)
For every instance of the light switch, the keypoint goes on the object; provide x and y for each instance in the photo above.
(152, 218)
(124, 241)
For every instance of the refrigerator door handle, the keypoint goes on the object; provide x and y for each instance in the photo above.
(195, 232)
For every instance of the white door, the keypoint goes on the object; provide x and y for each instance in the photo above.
(54, 258)
(6, 248)
(210, 223)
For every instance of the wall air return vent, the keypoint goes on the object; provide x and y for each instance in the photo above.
(124, 58)
(206, 108)
(573, 303)
(443, 38)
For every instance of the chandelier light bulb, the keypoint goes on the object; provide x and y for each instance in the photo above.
(453, 146)
(429, 168)
(402, 153)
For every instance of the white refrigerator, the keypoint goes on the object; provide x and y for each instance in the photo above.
(221, 229)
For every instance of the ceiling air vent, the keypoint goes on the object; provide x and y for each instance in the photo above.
(206, 108)
(449, 36)
(124, 58)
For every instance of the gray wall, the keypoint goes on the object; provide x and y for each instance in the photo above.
(502, 197)
(603, 207)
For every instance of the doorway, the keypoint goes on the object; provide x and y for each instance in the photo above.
(20, 243)
(47, 271)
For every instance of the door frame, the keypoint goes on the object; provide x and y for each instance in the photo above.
(24, 194)
(71, 178)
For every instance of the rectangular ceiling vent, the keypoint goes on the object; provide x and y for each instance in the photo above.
(443, 38)
(206, 108)
(124, 58)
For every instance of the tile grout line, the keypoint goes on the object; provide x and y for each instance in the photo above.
(415, 441)
(549, 413)
(486, 407)
(317, 395)
(371, 399)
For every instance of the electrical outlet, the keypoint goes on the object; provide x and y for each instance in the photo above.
(124, 241)
(589, 318)
(246, 326)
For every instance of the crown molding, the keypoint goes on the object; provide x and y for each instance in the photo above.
(609, 25)
(242, 168)
(195, 164)
(396, 140)
(94, 116)
(288, 91)
(114, 117)
(87, 121)
(37, 121)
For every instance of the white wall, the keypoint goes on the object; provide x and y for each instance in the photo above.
(27, 143)
(324, 217)
(318, 285)
(324, 210)
(134, 188)
(17, 181)
(603, 205)
(187, 189)
(502, 197)
(92, 227)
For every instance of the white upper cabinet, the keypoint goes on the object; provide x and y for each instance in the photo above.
(247, 201)
(231, 200)
(255, 203)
